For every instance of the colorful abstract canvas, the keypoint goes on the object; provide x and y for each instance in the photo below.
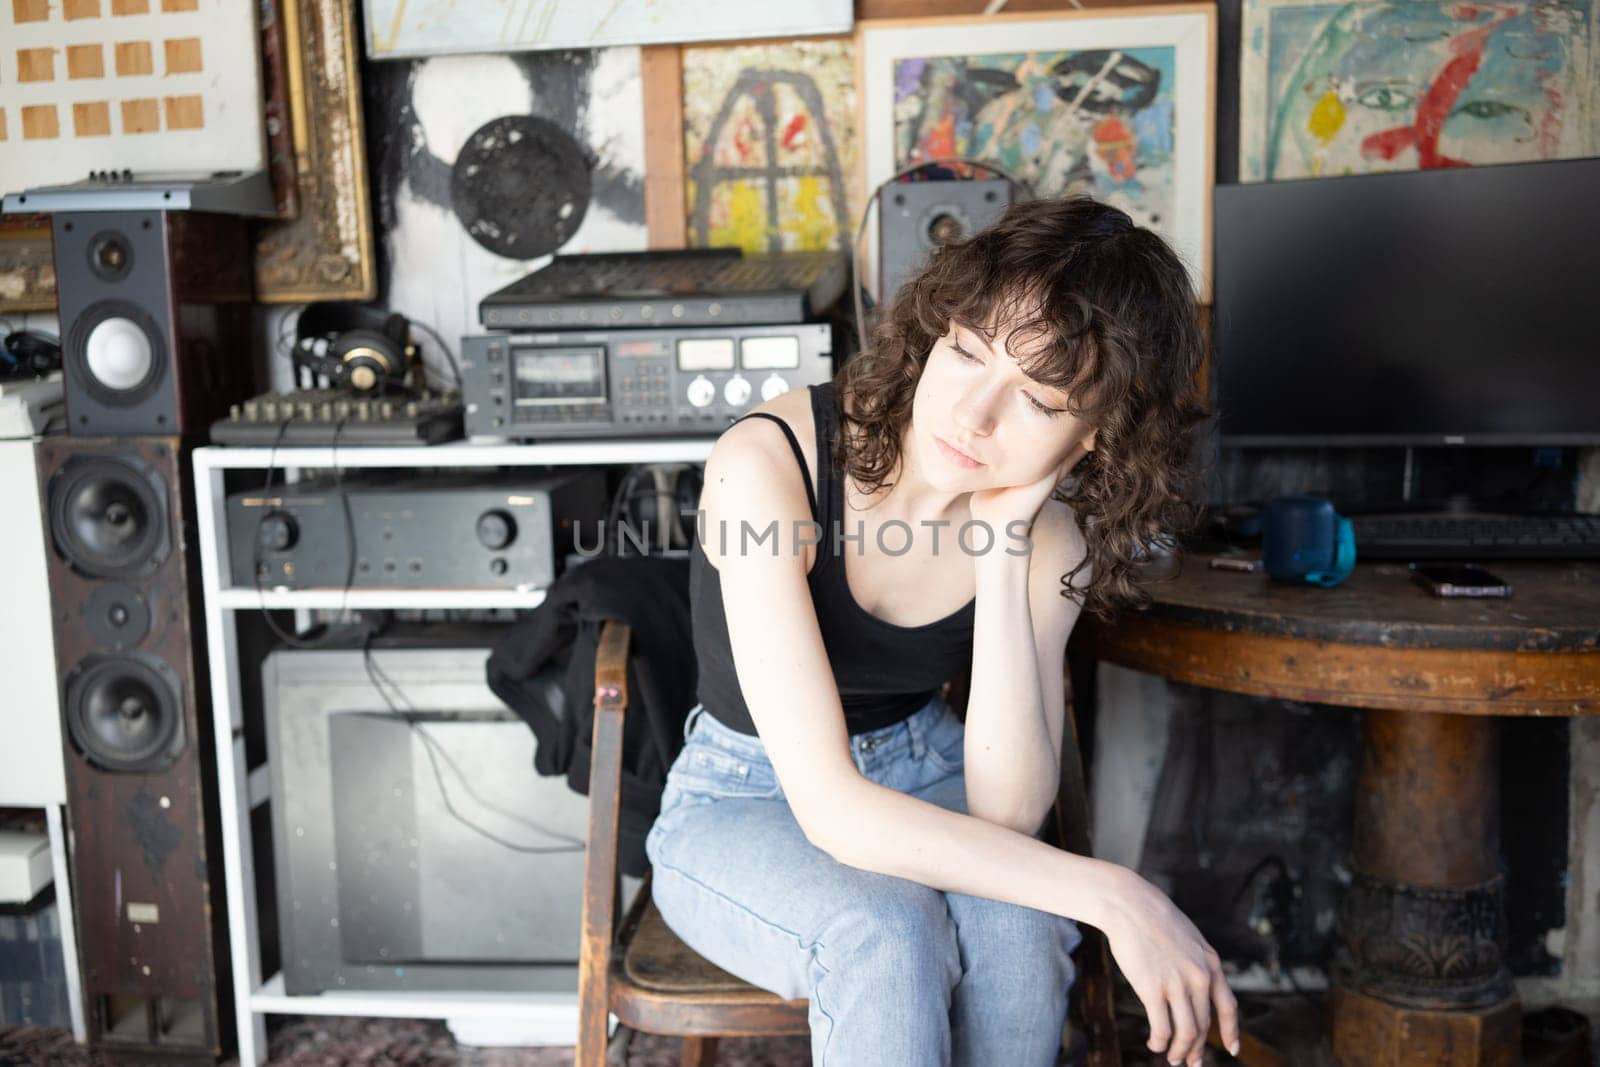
(770, 146)
(1093, 122)
(1114, 104)
(1383, 85)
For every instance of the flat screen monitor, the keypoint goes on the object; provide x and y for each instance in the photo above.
(1442, 307)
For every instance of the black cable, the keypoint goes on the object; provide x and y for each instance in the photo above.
(455, 368)
(378, 678)
(292, 640)
(412, 718)
(612, 543)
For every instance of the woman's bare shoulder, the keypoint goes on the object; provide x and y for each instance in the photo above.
(752, 472)
(794, 408)
(1058, 542)
(757, 449)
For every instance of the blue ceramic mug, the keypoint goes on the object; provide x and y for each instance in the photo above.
(1304, 540)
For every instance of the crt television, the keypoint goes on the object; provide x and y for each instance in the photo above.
(1457, 306)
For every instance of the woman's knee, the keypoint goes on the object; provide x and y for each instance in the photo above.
(901, 930)
(1009, 934)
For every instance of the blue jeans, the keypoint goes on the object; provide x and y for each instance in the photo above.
(896, 973)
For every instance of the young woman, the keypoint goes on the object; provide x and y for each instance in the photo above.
(997, 460)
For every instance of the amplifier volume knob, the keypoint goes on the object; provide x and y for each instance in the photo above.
(278, 532)
(737, 391)
(701, 392)
(773, 386)
(496, 530)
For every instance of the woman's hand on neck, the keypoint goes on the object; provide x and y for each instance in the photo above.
(1002, 506)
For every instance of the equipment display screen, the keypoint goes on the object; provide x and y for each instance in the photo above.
(705, 353)
(770, 353)
(559, 375)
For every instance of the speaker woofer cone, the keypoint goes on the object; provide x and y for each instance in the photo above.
(117, 352)
(108, 517)
(125, 712)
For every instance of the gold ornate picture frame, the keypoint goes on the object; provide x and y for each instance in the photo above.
(326, 253)
(27, 265)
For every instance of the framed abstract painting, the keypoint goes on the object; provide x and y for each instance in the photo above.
(1117, 104)
(1331, 88)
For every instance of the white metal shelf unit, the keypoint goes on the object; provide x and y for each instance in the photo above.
(256, 995)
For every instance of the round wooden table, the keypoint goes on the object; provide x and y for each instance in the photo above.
(1418, 978)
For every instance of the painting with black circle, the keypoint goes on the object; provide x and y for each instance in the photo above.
(486, 164)
(520, 186)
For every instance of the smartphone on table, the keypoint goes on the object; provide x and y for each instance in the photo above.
(1459, 579)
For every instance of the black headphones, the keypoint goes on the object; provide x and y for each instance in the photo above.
(29, 353)
(354, 347)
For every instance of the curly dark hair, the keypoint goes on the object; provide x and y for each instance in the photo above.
(1106, 312)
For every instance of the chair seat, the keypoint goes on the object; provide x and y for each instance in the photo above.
(664, 986)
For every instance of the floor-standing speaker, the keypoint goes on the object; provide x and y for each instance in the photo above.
(155, 319)
(146, 861)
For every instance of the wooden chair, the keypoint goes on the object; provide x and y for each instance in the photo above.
(638, 969)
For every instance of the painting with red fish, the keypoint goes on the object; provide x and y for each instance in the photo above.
(1358, 88)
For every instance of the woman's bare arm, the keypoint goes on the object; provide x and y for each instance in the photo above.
(1016, 709)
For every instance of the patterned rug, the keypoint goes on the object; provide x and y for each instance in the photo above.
(309, 1041)
(317, 1041)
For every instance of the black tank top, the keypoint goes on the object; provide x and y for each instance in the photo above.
(884, 672)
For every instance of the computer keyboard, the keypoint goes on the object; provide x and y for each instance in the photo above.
(1423, 537)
